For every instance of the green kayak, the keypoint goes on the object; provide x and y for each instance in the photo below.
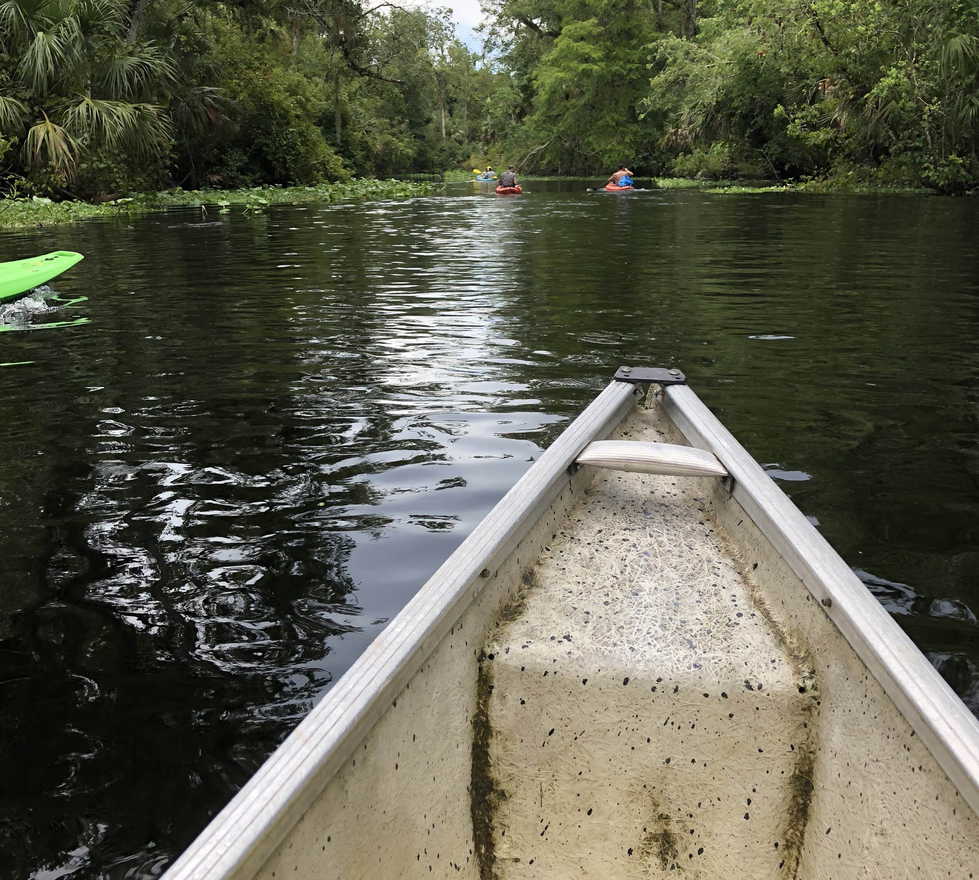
(19, 276)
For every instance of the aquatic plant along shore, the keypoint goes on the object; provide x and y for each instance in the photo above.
(39, 212)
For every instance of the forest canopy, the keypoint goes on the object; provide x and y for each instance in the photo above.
(881, 91)
(99, 97)
(103, 97)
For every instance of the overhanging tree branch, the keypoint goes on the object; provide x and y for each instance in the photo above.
(367, 12)
(824, 39)
(544, 32)
(332, 23)
(351, 62)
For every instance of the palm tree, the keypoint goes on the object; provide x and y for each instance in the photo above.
(76, 82)
(959, 70)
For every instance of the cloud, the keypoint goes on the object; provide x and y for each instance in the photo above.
(466, 13)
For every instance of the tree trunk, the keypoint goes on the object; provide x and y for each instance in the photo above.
(691, 15)
(136, 19)
(337, 112)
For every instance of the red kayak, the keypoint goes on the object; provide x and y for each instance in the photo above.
(509, 190)
(610, 187)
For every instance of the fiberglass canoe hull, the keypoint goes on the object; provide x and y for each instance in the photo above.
(624, 674)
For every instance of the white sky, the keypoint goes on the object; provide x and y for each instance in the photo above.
(465, 13)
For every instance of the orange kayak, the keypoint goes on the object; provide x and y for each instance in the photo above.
(509, 190)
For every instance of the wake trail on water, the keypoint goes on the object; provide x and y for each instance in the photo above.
(20, 314)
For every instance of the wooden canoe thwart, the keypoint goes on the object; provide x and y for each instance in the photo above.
(624, 672)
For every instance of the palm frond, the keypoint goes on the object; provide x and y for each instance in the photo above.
(963, 112)
(134, 71)
(42, 59)
(152, 135)
(105, 16)
(98, 120)
(960, 56)
(12, 113)
(145, 129)
(21, 19)
(197, 108)
(49, 143)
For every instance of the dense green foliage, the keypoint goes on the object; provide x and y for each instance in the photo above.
(99, 98)
(103, 97)
(868, 91)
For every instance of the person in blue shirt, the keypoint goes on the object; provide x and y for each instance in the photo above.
(622, 177)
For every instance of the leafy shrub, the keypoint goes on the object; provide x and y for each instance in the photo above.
(952, 175)
(276, 110)
(103, 174)
(295, 152)
(234, 170)
(714, 162)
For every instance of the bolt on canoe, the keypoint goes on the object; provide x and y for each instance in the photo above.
(644, 662)
(18, 277)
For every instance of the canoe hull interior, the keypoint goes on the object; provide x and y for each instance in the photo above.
(19, 277)
(667, 709)
(640, 684)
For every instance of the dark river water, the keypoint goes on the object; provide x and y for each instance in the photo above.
(227, 468)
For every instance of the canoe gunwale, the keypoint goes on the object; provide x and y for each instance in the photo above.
(240, 839)
(941, 720)
(248, 830)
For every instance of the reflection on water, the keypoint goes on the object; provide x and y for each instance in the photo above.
(274, 427)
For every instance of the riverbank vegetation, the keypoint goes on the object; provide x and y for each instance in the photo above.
(859, 91)
(35, 211)
(101, 98)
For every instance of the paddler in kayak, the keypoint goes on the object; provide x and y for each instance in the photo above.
(622, 177)
(508, 178)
